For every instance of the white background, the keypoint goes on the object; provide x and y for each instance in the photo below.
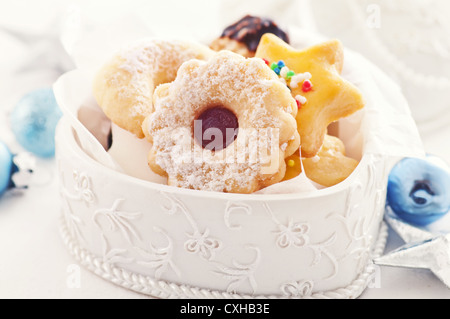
(33, 261)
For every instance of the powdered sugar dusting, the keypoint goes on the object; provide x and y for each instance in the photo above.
(249, 89)
(152, 62)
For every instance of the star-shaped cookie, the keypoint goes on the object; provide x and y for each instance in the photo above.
(331, 96)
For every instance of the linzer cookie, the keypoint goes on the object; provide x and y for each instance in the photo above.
(224, 125)
(243, 36)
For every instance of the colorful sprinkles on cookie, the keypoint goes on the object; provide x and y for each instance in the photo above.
(292, 80)
(290, 163)
(301, 100)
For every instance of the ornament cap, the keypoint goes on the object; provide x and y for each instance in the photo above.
(24, 164)
(15, 170)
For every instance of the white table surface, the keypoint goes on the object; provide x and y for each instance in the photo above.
(33, 260)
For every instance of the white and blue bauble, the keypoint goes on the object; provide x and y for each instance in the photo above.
(34, 120)
(7, 168)
(419, 190)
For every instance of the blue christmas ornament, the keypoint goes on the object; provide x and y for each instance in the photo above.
(34, 120)
(419, 190)
(7, 168)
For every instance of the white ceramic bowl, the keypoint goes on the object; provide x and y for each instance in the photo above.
(171, 242)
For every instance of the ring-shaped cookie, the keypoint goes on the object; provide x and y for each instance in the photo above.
(329, 167)
(124, 86)
(264, 109)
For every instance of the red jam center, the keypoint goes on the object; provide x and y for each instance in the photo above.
(216, 128)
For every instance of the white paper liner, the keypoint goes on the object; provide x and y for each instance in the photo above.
(384, 127)
(134, 160)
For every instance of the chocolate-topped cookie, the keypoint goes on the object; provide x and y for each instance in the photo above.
(243, 36)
